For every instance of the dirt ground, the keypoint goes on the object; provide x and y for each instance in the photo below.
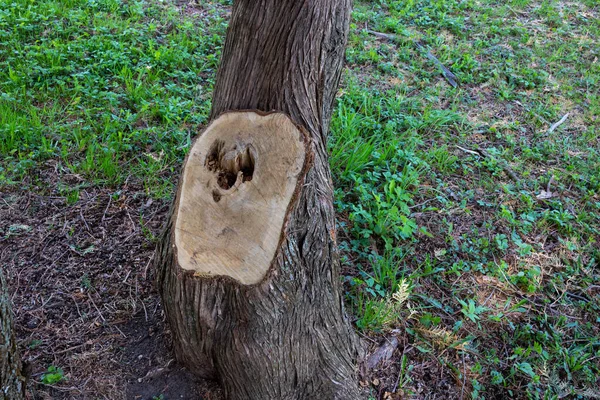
(81, 284)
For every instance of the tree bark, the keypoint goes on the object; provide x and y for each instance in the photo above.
(287, 336)
(12, 383)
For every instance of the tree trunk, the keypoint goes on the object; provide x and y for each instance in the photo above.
(247, 266)
(12, 383)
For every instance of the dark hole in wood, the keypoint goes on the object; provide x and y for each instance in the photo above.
(227, 164)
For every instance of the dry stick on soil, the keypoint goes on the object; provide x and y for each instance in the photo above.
(404, 351)
(547, 194)
(447, 74)
(481, 152)
(557, 124)
(550, 182)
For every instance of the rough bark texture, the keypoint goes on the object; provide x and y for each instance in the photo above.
(286, 337)
(12, 383)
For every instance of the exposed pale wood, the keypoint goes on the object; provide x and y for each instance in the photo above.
(235, 230)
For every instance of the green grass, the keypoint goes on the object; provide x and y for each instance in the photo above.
(502, 286)
(106, 89)
(498, 275)
(53, 376)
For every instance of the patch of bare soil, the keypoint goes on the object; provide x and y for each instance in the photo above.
(153, 369)
(389, 378)
(81, 285)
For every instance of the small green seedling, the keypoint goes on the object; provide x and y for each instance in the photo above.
(53, 376)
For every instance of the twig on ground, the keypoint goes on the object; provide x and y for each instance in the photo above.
(448, 75)
(557, 124)
(156, 372)
(550, 182)
(9, 206)
(382, 35)
(96, 307)
(127, 276)
(107, 206)
(503, 164)
(87, 227)
(467, 150)
(400, 372)
(62, 389)
(145, 275)
(70, 348)
(145, 312)
(133, 224)
(58, 258)
(481, 152)
(464, 382)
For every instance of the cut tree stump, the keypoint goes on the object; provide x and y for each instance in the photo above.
(12, 382)
(238, 183)
(247, 266)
